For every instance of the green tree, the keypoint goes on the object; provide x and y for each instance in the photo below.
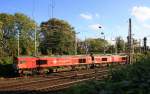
(26, 27)
(110, 49)
(1, 50)
(136, 46)
(10, 25)
(81, 47)
(58, 37)
(7, 30)
(120, 44)
(93, 46)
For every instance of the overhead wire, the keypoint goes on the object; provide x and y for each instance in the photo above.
(35, 29)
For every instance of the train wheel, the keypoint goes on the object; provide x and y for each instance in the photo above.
(50, 70)
(20, 73)
(73, 68)
(92, 66)
(108, 65)
(34, 72)
(87, 67)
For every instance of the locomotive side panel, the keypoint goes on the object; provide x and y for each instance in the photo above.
(97, 59)
(26, 63)
(116, 58)
(64, 61)
(56, 61)
(75, 60)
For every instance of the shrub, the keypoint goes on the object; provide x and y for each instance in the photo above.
(131, 79)
(6, 60)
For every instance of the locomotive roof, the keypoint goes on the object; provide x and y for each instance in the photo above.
(53, 56)
(73, 55)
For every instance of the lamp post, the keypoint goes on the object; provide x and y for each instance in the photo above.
(18, 39)
(18, 42)
(102, 33)
(35, 38)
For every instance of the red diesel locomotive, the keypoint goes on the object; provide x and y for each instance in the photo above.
(33, 64)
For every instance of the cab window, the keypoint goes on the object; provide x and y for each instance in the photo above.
(22, 62)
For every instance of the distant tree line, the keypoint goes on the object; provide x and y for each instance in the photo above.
(54, 37)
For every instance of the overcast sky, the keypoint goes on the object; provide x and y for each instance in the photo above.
(87, 15)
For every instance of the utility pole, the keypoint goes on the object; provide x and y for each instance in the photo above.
(18, 42)
(130, 45)
(116, 47)
(76, 43)
(52, 6)
(145, 44)
(140, 45)
(35, 30)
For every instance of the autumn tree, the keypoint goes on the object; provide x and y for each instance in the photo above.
(57, 37)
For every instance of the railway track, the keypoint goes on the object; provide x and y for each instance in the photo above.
(52, 84)
(24, 80)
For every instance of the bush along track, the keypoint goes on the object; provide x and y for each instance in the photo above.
(131, 79)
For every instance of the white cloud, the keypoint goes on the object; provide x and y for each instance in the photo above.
(95, 27)
(86, 16)
(141, 25)
(147, 26)
(141, 13)
(89, 16)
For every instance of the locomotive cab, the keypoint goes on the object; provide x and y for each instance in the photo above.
(15, 62)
